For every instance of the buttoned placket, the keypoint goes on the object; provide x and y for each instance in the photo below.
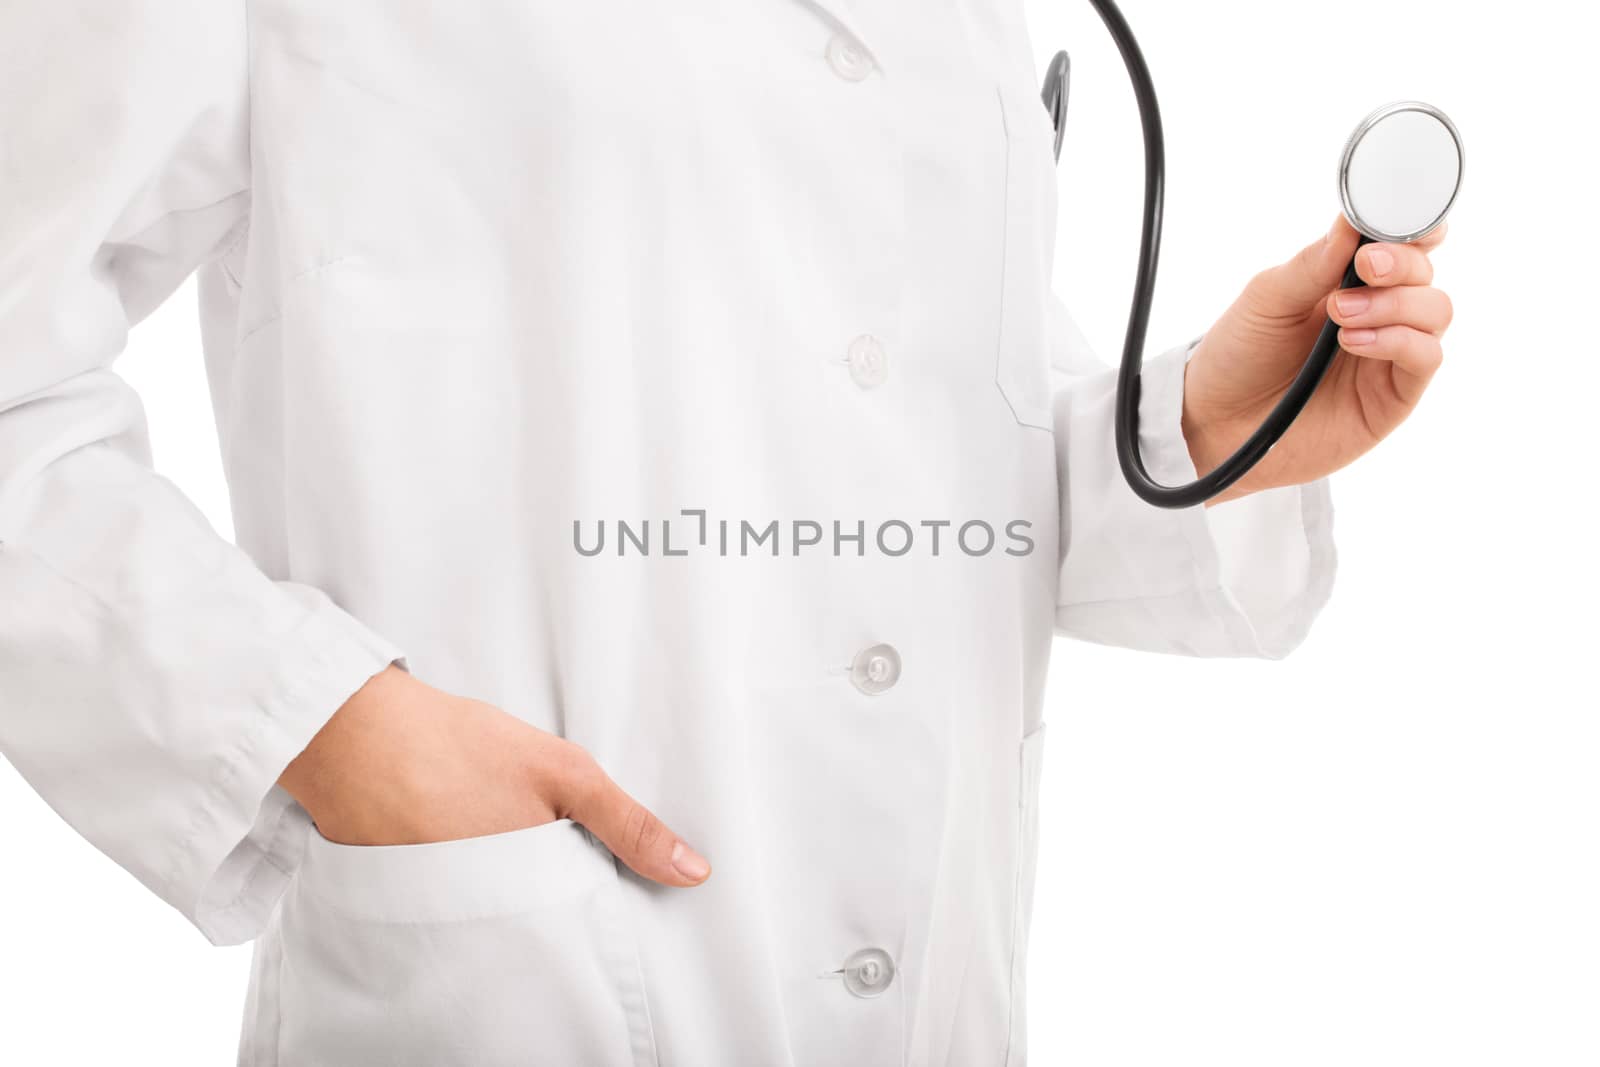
(869, 971)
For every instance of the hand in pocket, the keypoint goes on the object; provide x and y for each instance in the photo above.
(402, 763)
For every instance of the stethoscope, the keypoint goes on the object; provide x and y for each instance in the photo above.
(1398, 178)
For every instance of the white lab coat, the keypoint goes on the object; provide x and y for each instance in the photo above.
(472, 274)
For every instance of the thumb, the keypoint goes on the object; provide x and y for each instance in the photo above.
(1307, 279)
(637, 837)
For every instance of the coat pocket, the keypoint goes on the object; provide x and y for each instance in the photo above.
(1022, 914)
(1022, 368)
(508, 949)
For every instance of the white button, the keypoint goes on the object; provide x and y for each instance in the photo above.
(848, 59)
(868, 973)
(876, 669)
(869, 363)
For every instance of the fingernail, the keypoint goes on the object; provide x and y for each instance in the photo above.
(1333, 232)
(689, 863)
(1381, 260)
(1352, 302)
(1357, 338)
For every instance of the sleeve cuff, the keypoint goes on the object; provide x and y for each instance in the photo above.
(247, 835)
(1245, 578)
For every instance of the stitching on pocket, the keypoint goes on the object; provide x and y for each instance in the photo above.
(277, 312)
(1028, 411)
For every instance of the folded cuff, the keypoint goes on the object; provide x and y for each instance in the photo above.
(248, 835)
(1244, 578)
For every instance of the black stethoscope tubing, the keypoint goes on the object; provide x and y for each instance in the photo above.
(1255, 448)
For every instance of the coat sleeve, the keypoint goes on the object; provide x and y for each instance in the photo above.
(153, 681)
(1244, 578)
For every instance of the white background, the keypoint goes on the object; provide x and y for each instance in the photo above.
(1380, 852)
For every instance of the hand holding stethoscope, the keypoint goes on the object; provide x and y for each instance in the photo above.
(1257, 412)
(1389, 337)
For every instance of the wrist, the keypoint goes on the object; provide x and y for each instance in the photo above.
(315, 775)
(1211, 439)
(1205, 441)
(1209, 445)
(1199, 439)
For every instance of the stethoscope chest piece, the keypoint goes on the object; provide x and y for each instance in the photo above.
(1400, 172)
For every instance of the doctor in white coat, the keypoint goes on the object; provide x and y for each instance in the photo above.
(659, 468)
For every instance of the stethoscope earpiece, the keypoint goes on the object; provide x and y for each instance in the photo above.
(1057, 90)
